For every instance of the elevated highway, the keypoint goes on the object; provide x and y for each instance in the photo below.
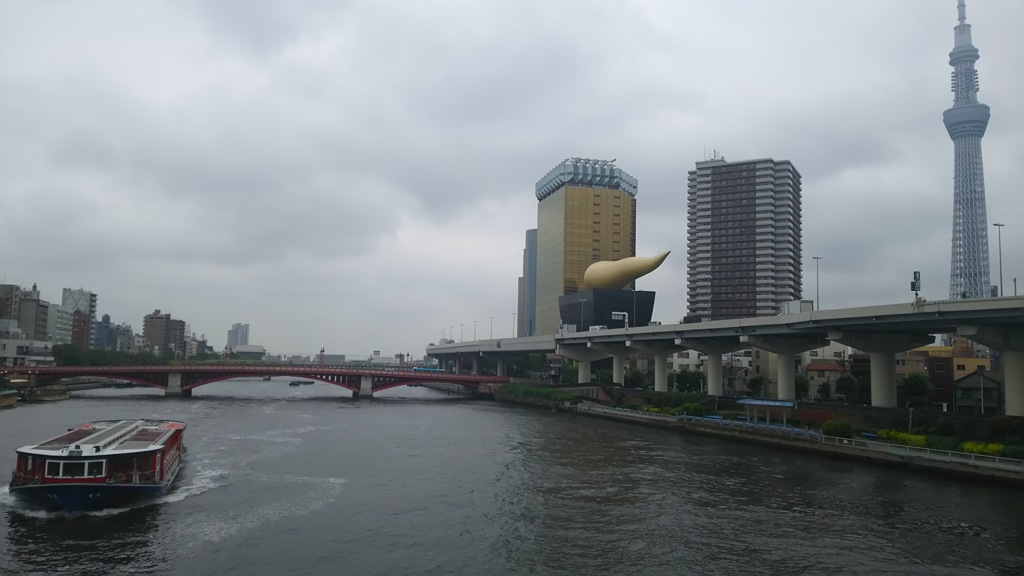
(881, 331)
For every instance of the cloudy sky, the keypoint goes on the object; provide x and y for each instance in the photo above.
(359, 175)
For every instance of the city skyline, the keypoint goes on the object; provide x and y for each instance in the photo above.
(340, 175)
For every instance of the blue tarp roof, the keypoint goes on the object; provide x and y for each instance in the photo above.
(774, 403)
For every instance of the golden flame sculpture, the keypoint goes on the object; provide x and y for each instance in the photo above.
(617, 274)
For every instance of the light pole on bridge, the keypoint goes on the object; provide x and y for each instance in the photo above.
(513, 324)
(492, 317)
(474, 330)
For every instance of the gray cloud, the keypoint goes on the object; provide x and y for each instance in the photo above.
(358, 175)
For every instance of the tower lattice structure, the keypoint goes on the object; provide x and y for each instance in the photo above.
(966, 122)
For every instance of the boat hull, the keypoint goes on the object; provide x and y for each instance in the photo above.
(84, 497)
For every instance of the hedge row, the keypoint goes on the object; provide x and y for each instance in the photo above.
(904, 438)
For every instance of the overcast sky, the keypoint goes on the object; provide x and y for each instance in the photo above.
(359, 175)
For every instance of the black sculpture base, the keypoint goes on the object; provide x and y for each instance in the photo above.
(595, 307)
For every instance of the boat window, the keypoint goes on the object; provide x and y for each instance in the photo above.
(95, 468)
(73, 470)
(53, 468)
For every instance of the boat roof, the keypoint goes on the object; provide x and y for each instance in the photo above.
(107, 437)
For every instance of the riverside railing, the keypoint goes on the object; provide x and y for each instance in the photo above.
(948, 456)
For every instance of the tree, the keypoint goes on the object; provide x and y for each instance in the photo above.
(824, 391)
(917, 386)
(604, 376)
(570, 373)
(803, 386)
(756, 385)
(848, 386)
(635, 379)
(690, 380)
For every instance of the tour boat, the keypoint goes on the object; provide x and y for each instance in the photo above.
(100, 464)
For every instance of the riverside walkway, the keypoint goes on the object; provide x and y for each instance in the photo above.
(958, 463)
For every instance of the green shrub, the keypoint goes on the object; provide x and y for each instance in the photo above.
(998, 427)
(839, 428)
(1014, 441)
(951, 443)
(988, 449)
(660, 399)
(945, 427)
(521, 392)
(904, 438)
(1014, 452)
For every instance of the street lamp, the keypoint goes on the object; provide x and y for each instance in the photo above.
(513, 324)
(624, 316)
(999, 235)
(492, 327)
(461, 331)
(474, 330)
(817, 284)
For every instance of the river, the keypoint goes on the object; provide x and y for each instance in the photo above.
(302, 480)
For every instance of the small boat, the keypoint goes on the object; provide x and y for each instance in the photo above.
(8, 397)
(266, 378)
(100, 464)
(50, 393)
(300, 382)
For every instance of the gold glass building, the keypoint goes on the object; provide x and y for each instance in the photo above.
(587, 213)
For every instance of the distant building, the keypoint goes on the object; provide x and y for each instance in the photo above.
(743, 238)
(163, 335)
(527, 319)
(84, 301)
(104, 334)
(586, 213)
(238, 335)
(58, 324)
(250, 351)
(10, 298)
(80, 331)
(980, 393)
(33, 315)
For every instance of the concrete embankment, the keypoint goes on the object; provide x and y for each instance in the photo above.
(777, 437)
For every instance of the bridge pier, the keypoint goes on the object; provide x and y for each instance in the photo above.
(714, 374)
(1010, 341)
(619, 369)
(476, 366)
(365, 388)
(502, 367)
(174, 387)
(786, 347)
(882, 348)
(583, 372)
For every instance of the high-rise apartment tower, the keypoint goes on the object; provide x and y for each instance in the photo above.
(966, 122)
(586, 213)
(743, 238)
(238, 335)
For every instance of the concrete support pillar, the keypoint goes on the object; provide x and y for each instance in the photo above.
(365, 387)
(502, 367)
(714, 374)
(660, 373)
(1013, 381)
(618, 369)
(458, 364)
(476, 365)
(883, 379)
(583, 369)
(787, 385)
(174, 386)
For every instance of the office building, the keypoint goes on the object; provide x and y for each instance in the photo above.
(163, 335)
(527, 309)
(586, 213)
(85, 302)
(743, 238)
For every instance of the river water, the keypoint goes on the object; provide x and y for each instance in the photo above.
(302, 480)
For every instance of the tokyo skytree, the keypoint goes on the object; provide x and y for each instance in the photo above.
(966, 122)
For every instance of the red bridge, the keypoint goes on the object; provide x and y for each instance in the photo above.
(179, 380)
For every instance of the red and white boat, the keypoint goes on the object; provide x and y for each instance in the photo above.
(100, 464)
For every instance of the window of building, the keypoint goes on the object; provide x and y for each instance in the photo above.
(961, 367)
